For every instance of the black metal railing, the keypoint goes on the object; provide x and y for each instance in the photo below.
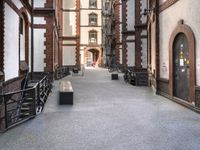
(136, 76)
(62, 72)
(22, 105)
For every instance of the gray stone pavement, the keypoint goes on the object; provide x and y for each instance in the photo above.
(107, 115)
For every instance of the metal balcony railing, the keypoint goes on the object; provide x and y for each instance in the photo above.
(20, 106)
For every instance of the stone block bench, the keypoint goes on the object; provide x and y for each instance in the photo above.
(65, 93)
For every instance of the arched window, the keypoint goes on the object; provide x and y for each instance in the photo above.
(93, 19)
(93, 37)
(93, 3)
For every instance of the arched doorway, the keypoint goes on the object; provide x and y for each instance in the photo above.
(182, 79)
(92, 57)
(181, 67)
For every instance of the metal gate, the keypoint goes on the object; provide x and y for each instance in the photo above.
(181, 67)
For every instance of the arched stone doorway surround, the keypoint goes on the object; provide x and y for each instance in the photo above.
(187, 31)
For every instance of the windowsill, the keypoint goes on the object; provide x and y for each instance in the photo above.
(93, 8)
(91, 43)
(93, 25)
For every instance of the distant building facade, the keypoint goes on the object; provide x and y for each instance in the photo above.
(81, 32)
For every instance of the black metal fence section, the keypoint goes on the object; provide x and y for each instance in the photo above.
(22, 105)
(62, 72)
(136, 76)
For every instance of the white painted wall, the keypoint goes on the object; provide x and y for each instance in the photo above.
(143, 7)
(11, 55)
(130, 15)
(69, 4)
(39, 20)
(18, 4)
(39, 48)
(144, 53)
(131, 54)
(69, 54)
(22, 43)
(189, 11)
(69, 23)
(82, 56)
(39, 3)
(69, 42)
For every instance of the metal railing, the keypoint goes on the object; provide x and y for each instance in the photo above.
(62, 72)
(23, 105)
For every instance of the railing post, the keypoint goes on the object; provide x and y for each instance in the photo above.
(35, 97)
(5, 114)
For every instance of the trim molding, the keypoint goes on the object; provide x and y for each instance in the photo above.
(166, 5)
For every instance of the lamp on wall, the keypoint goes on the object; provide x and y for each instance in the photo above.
(148, 11)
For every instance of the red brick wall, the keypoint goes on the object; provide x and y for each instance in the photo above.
(138, 31)
(124, 29)
(117, 35)
(78, 32)
(49, 44)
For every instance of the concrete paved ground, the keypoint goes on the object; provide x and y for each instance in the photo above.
(107, 115)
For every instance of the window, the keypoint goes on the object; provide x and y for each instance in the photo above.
(93, 4)
(93, 19)
(106, 5)
(92, 37)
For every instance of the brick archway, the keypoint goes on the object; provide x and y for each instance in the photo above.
(187, 31)
(96, 50)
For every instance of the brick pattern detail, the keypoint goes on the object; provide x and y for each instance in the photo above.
(124, 29)
(49, 39)
(117, 35)
(138, 42)
(1, 35)
(78, 33)
(49, 45)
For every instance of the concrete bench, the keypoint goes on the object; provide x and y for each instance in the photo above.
(65, 93)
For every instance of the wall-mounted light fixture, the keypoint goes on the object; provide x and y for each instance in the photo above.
(148, 11)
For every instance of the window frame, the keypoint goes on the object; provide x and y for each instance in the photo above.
(91, 4)
(95, 33)
(90, 23)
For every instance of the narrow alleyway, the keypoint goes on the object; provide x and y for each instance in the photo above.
(107, 115)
